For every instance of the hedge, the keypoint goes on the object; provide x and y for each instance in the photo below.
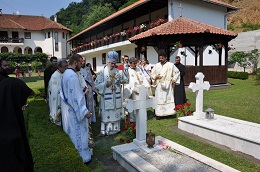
(238, 75)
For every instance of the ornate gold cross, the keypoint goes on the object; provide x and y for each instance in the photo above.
(112, 79)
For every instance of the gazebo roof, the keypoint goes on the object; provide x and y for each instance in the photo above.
(183, 29)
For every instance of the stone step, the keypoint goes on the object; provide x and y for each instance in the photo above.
(140, 158)
(236, 134)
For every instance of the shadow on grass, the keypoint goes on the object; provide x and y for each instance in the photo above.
(32, 79)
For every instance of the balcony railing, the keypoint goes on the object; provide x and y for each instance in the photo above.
(11, 40)
(116, 37)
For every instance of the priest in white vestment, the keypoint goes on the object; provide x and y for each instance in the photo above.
(136, 77)
(87, 75)
(75, 114)
(108, 86)
(165, 75)
(54, 92)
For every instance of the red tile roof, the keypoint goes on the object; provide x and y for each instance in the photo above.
(138, 3)
(182, 26)
(26, 22)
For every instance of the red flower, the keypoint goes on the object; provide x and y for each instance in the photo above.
(124, 129)
(122, 140)
(134, 131)
(189, 113)
(187, 103)
(127, 123)
(128, 141)
(133, 125)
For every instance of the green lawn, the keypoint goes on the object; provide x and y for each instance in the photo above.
(53, 151)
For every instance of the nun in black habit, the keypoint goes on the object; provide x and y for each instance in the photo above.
(15, 153)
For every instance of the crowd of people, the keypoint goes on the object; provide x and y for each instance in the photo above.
(71, 89)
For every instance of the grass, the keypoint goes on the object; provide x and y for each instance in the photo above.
(53, 151)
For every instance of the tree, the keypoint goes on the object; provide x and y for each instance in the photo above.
(241, 58)
(254, 58)
(98, 12)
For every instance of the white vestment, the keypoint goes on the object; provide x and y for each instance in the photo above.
(87, 75)
(73, 108)
(54, 97)
(164, 87)
(136, 77)
(110, 100)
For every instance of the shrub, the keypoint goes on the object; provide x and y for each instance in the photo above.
(238, 75)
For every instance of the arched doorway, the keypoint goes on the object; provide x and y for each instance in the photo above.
(4, 50)
(18, 50)
(38, 50)
(27, 50)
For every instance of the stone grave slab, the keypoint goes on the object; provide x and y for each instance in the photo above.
(236, 134)
(135, 158)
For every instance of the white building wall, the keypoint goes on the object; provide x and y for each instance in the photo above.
(203, 12)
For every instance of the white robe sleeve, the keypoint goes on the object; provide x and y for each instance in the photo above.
(76, 99)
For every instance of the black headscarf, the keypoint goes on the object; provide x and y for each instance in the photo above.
(15, 154)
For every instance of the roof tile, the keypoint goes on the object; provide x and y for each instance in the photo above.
(27, 22)
(182, 26)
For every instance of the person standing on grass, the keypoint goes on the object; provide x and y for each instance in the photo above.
(75, 114)
(165, 75)
(54, 92)
(15, 153)
(87, 75)
(94, 76)
(48, 72)
(179, 90)
(108, 85)
(4, 69)
(136, 77)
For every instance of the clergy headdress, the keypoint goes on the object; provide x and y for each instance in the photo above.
(112, 56)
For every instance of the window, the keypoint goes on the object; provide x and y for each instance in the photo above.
(119, 56)
(27, 35)
(63, 35)
(49, 34)
(103, 58)
(3, 34)
(56, 41)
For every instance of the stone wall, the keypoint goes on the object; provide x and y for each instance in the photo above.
(245, 41)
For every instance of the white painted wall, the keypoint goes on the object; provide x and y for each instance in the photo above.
(201, 11)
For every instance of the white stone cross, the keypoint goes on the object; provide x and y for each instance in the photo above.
(140, 104)
(199, 86)
(181, 8)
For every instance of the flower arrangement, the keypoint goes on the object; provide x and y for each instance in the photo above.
(143, 26)
(128, 132)
(163, 145)
(123, 33)
(183, 109)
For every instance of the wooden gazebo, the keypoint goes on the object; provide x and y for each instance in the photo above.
(195, 35)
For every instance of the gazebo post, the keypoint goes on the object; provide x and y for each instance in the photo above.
(219, 56)
(201, 58)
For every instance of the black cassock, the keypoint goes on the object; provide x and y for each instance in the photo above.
(15, 154)
(179, 90)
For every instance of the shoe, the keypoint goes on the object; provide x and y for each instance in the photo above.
(87, 163)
